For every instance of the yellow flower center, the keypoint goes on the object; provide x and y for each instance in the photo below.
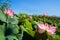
(47, 28)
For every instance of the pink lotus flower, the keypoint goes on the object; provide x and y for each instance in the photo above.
(41, 28)
(46, 27)
(45, 14)
(9, 12)
(51, 30)
(30, 17)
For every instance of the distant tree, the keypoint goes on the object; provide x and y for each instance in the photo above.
(4, 4)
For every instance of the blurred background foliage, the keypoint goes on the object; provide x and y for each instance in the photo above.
(52, 20)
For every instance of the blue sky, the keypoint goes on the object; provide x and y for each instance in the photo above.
(36, 7)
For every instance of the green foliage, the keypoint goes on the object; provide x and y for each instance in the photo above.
(28, 24)
(56, 37)
(2, 37)
(20, 36)
(11, 37)
(14, 29)
(13, 20)
(29, 31)
(2, 16)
